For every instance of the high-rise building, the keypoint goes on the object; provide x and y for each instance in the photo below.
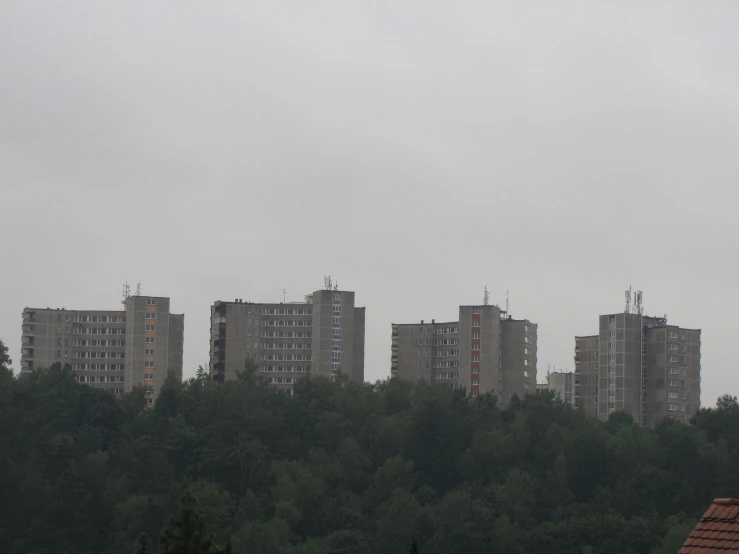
(560, 383)
(638, 364)
(108, 349)
(485, 351)
(322, 336)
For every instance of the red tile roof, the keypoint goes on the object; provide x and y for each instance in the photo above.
(718, 530)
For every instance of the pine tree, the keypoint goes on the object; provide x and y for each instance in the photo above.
(186, 533)
(143, 545)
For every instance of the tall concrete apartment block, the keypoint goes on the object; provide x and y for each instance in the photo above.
(560, 383)
(641, 365)
(484, 351)
(322, 336)
(108, 349)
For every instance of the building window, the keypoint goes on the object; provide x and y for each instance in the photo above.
(476, 323)
(525, 373)
(149, 352)
(672, 394)
(148, 376)
(335, 355)
(149, 364)
(420, 330)
(526, 363)
(337, 309)
(336, 343)
(151, 315)
(476, 310)
(151, 301)
(150, 327)
(336, 321)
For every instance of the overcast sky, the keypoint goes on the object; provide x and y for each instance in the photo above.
(415, 151)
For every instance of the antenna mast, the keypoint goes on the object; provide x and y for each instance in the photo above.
(486, 297)
(507, 304)
(284, 292)
(126, 292)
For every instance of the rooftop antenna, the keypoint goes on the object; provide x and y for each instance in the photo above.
(327, 282)
(126, 292)
(486, 297)
(638, 307)
(284, 292)
(138, 289)
(507, 303)
(336, 285)
(627, 295)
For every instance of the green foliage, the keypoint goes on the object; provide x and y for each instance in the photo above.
(186, 533)
(342, 467)
(5, 372)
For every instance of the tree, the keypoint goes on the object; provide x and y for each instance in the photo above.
(250, 374)
(187, 532)
(414, 549)
(343, 467)
(5, 372)
(143, 545)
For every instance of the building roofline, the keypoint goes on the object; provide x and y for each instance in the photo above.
(27, 308)
(424, 322)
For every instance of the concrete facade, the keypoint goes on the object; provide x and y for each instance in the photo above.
(107, 349)
(482, 352)
(640, 365)
(322, 336)
(560, 383)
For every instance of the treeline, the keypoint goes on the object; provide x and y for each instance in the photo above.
(348, 468)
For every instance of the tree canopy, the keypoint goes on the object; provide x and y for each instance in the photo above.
(340, 467)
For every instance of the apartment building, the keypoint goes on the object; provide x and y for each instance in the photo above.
(638, 364)
(322, 336)
(560, 383)
(108, 349)
(484, 351)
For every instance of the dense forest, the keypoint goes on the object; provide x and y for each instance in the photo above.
(342, 467)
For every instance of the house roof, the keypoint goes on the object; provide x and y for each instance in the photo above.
(718, 530)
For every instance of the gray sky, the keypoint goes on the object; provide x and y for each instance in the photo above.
(415, 151)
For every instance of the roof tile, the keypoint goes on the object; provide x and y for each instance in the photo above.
(718, 530)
